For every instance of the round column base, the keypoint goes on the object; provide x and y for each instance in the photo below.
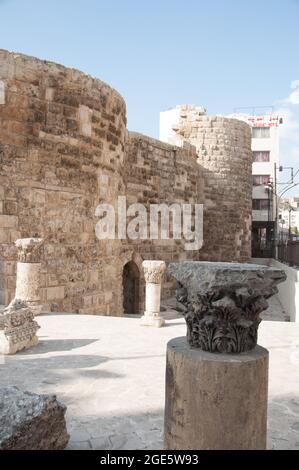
(152, 320)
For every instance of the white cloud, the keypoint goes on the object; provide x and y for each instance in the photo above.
(293, 97)
(290, 128)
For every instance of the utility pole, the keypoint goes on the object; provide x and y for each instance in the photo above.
(290, 223)
(276, 228)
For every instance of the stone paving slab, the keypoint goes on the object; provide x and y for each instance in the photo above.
(110, 373)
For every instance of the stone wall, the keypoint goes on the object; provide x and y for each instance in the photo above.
(161, 173)
(64, 149)
(62, 136)
(224, 153)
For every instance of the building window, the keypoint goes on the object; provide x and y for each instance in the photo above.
(260, 204)
(258, 180)
(263, 156)
(261, 132)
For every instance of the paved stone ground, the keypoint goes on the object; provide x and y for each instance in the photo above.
(110, 373)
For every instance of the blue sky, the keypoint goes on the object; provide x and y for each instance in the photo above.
(221, 54)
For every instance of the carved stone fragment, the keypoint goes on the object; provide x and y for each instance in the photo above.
(17, 328)
(222, 302)
(30, 421)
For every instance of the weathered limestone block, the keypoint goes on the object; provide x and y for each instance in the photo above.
(17, 328)
(30, 421)
(29, 271)
(222, 302)
(153, 274)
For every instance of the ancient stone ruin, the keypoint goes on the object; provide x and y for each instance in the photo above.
(217, 377)
(17, 328)
(153, 273)
(222, 302)
(65, 148)
(31, 422)
(29, 272)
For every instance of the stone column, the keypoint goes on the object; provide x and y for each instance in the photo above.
(153, 274)
(217, 377)
(215, 401)
(28, 272)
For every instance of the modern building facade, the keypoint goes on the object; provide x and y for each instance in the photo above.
(265, 165)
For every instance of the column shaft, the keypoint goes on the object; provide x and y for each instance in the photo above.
(215, 401)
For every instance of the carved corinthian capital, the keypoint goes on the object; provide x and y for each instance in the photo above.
(222, 302)
(29, 249)
(153, 271)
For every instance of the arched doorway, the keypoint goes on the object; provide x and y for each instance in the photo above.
(131, 288)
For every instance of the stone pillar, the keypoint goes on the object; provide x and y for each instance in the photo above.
(217, 377)
(215, 401)
(28, 272)
(153, 274)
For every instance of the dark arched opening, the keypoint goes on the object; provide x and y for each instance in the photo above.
(131, 288)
